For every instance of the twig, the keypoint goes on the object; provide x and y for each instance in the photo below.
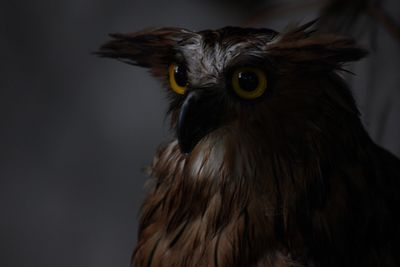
(279, 10)
(386, 20)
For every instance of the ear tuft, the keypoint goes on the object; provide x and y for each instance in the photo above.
(148, 48)
(302, 45)
(296, 32)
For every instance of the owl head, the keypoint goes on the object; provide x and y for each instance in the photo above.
(258, 85)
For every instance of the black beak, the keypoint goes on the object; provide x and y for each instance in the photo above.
(200, 114)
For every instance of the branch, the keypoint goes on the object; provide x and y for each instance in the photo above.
(386, 20)
(279, 10)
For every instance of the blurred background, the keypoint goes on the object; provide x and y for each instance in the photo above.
(77, 130)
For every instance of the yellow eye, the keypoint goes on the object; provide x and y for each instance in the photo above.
(249, 82)
(178, 78)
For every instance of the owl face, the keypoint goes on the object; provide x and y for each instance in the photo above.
(211, 75)
(250, 82)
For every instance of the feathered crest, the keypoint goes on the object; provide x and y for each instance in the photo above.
(151, 48)
(304, 45)
(156, 48)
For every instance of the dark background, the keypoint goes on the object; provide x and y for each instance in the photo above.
(76, 130)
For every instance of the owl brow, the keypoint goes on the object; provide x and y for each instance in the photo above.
(250, 59)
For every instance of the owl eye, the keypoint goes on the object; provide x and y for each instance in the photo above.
(249, 82)
(178, 78)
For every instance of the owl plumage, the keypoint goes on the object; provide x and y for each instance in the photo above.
(270, 164)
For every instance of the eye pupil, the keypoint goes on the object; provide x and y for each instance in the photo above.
(180, 75)
(248, 80)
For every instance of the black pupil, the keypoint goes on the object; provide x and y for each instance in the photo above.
(180, 76)
(248, 81)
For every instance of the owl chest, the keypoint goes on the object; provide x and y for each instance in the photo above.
(191, 244)
(201, 214)
(175, 239)
(217, 232)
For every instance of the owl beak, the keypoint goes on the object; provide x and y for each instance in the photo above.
(200, 114)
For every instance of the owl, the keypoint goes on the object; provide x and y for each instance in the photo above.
(270, 164)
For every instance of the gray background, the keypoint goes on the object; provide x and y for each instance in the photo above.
(77, 130)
